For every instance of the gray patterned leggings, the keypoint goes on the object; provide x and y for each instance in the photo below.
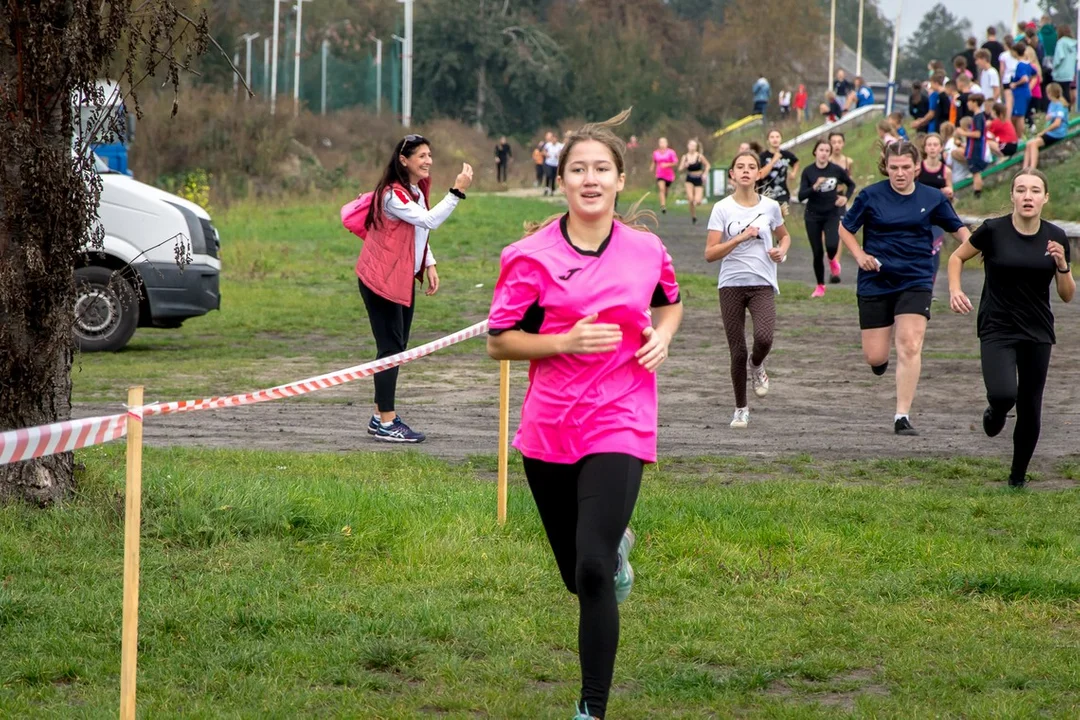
(734, 302)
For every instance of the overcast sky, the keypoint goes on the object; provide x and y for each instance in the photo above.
(980, 12)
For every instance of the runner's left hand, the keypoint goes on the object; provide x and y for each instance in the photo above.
(1057, 251)
(432, 280)
(654, 352)
(841, 201)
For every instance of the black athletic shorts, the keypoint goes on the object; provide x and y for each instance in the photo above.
(880, 311)
(667, 183)
(1008, 149)
(695, 181)
(1050, 141)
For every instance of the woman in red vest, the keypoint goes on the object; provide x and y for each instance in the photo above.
(394, 258)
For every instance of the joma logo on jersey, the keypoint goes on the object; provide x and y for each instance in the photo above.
(570, 273)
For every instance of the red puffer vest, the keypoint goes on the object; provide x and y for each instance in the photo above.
(388, 257)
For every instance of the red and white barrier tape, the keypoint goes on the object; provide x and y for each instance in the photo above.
(35, 442)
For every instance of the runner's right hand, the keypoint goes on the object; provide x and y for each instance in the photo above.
(868, 262)
(959, 303)
(751, 232)
(588, 337)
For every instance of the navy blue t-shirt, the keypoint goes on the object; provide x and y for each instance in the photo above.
(898, 231)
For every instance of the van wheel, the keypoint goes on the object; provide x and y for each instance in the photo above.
(106, 310)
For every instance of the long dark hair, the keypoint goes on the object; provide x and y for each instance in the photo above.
(395, 174)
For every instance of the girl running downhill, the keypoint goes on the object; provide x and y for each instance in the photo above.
(591, 301)
(741, 233)
(696, 166)
(896, 267)
(1022, 255)
(664, 160)
(396, 256)
(819, 189)
(838, 142)
(777, 166)
(934, 173)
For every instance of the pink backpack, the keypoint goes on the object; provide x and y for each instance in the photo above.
(354, 214)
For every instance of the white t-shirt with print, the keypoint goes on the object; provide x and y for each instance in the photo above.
(749, 264)
(551, 153)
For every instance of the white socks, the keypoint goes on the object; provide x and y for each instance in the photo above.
(900, 416)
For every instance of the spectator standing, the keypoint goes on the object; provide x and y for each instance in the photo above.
(919, 108)
(784, 98)
(1064, 71)
(762, 93)
(989, 79)
(503, 154)
(800, 102)
(863, 94)
(844, 91)
(992, 44)
(961, 68)
(968, 53)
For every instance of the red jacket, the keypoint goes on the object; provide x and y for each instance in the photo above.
(388, 257)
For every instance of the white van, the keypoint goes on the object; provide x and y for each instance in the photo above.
(134, 280)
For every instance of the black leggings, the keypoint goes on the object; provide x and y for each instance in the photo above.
(1014, 372)
(390, 324)
(585, 508)
(550, 171)
(816, 227)
(500, 172)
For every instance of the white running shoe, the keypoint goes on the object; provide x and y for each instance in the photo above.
(741, 418)
(759, 380)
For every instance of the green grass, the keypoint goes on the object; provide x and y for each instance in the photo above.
(289, 292)
(379, 585)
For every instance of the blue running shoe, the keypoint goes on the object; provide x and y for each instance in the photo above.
(399, 432)
(373, 425)
(624, 576)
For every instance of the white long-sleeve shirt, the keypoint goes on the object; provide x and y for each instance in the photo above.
(400, 206)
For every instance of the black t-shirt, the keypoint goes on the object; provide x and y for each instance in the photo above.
(842, 88)
(822, 201)
(995, 48)
(1015, 301)
(774, 185)
(502, 151)
(919, 108)
(944, 103)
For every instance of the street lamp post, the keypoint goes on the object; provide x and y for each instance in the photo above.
(248, 38)
(296, 55)
(858, 43)
(406, 65)
(274, 54)
(890, 95)
(832, 45)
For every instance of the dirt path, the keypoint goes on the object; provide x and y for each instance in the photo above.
(824, 401)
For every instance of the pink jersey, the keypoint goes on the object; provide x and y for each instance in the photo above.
(579, 405)
(665, 156)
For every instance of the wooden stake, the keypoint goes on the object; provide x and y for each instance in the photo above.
(504, 433)
(132, 519)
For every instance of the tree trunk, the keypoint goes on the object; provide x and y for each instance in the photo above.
(43, 197)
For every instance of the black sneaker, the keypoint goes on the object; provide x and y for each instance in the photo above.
(1017, 484)
(903, 427)
(399, 432)
(992, 425)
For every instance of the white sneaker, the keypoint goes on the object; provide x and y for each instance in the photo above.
(759, 380)
(741, 418)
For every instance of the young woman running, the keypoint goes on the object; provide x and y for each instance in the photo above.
(664, 160)
(776, 167)
(592, 302)
(933, 172)
(396, 256)
(896, 267)
(819, 189)
(741, 233)
(838, 142)
(1022, 255)
(696, 166)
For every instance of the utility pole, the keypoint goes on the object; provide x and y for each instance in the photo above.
(858, 50)
(378, 76)
(325, 52)
(235, 77)
(266, 66)
(247, 38)
(406, 65)
(890, 95)
(274, 53)
(296, 56)
(832, 45)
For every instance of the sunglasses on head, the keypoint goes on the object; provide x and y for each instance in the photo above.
(415, 139)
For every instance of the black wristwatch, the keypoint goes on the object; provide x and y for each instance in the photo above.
(457, 193)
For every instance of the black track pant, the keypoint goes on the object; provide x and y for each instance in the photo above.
(1014, 372)
(818, 226)
(500, 172)
(550, 173)
(390, 323)
(585, 508)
